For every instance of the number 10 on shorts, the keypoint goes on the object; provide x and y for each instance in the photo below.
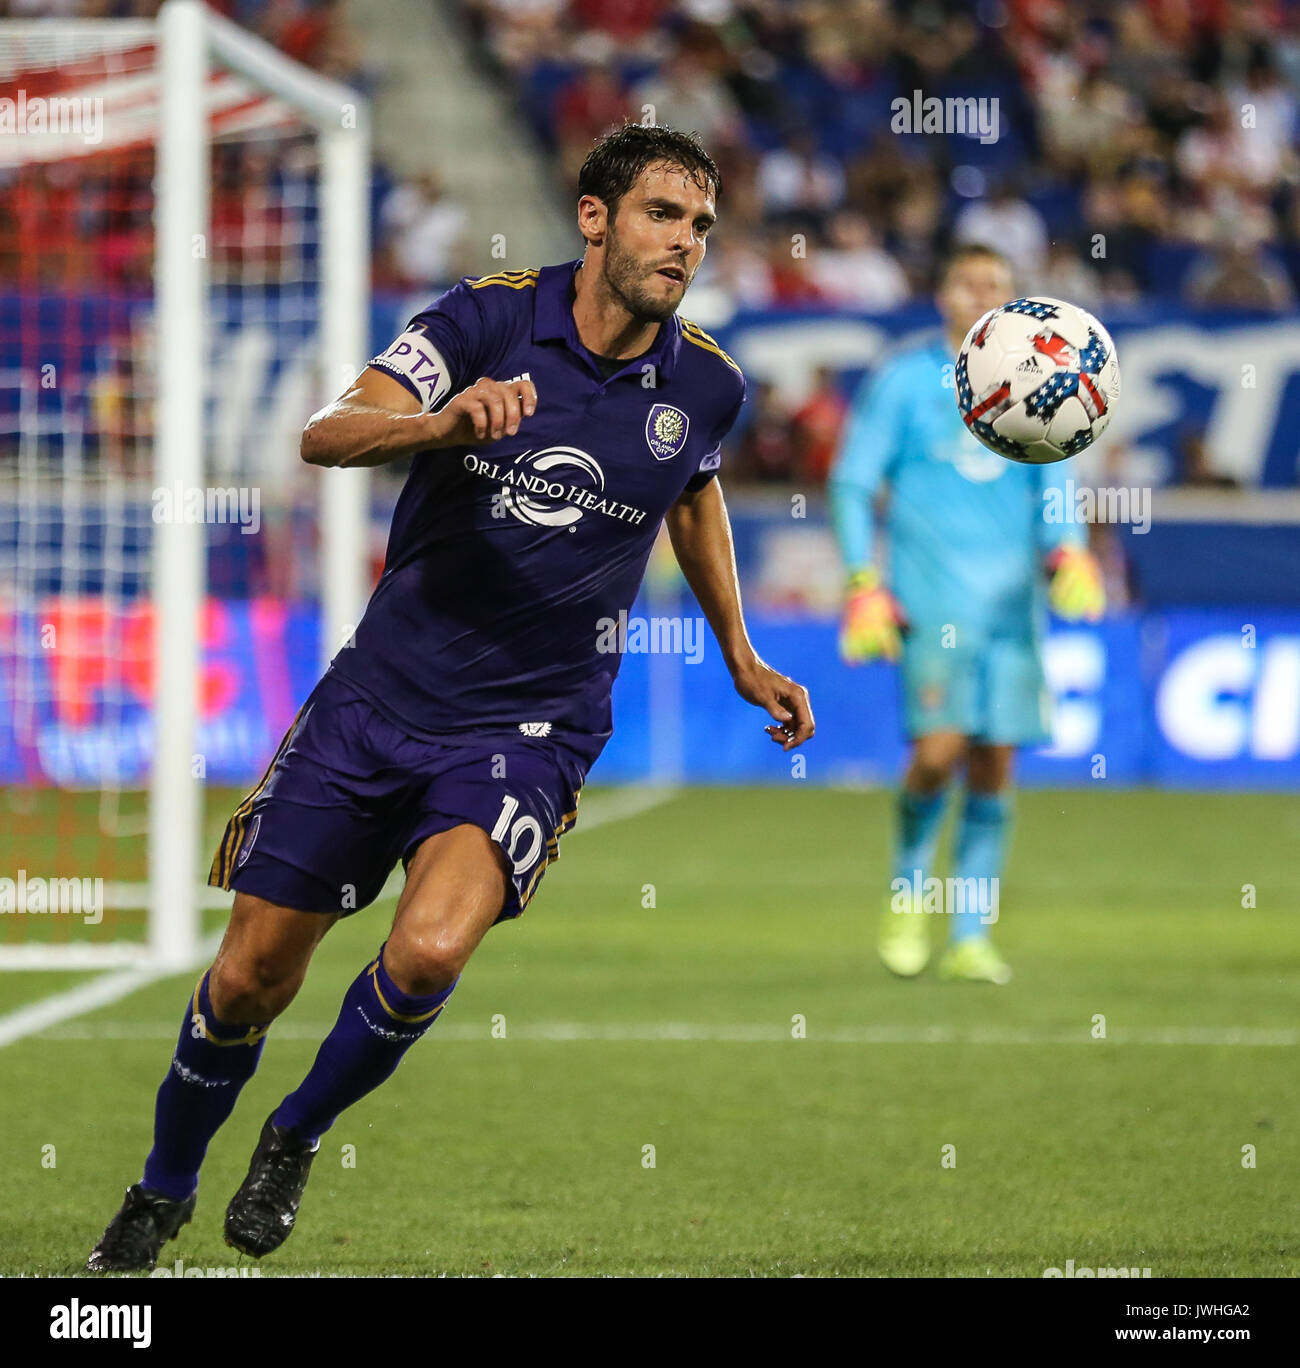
(524, 826)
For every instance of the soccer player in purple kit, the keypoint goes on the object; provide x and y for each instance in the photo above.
(556, 418)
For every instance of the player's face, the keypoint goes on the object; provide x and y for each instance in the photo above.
(655, 243)
(970, 289)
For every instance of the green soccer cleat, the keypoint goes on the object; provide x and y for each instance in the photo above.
(146, 1221)
(974, 961)
(904, 942)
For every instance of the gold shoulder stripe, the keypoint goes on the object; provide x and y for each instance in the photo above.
(697, 337)
(696, 331)
(512, 280)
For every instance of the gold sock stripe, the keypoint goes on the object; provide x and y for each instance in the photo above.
(229, 847)
(254, 1034)
(373, 971)
(512, 280)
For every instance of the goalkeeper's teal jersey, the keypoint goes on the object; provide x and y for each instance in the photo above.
(966, 528)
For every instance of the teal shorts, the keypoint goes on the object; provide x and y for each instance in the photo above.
(993, 691)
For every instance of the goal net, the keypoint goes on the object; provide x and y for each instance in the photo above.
(183, 272)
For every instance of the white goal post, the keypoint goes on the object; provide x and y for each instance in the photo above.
(192, 46)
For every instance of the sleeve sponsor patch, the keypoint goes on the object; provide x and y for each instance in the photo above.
(417, 363)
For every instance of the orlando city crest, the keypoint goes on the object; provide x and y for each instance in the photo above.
(665, 431)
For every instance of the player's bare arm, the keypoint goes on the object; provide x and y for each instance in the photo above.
(378, 420)
(701, 536)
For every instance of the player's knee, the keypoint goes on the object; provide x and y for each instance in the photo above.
(421, 963)
(930, 772)
(927, 778)
(934, 761)
(251, 988)
(988, 771)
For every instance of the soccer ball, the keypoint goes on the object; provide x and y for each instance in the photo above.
(1037, 380)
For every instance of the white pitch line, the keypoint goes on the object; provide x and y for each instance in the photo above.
(37, 1018)
(752, 1034)
(620, 805)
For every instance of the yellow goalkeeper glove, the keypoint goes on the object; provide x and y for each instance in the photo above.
(1076, 589)
(872, 621)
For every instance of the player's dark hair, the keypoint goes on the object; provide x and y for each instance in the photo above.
(616, 162)
(971, 251)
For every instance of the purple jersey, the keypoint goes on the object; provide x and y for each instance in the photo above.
(508, 559)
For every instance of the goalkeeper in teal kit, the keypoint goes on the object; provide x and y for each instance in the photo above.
(955, 595)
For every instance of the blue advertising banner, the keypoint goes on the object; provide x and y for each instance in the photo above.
(1180, 699)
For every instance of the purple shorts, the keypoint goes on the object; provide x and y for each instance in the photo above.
(349, 794)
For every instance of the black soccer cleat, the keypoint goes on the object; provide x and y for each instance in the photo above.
(261, 1214)
(146, 1221)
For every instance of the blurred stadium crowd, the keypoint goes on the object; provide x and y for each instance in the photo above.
(1168, 126)
(1124, 118)
(1144, 150)
(315, 32)
(108, 200)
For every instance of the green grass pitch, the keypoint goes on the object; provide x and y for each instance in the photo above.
(628, 1026)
